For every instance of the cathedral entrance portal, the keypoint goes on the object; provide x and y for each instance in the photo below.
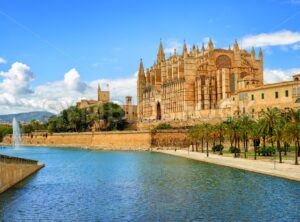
(158, 111)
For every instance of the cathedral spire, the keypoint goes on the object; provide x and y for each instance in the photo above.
(160, 54)
(141, 69)
(253, 54)
(260, 56)
(203, 48)
(210, 45)
(184, 50)
(236, 46)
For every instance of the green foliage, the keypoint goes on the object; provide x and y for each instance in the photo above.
(233, 149)
(80, 120)
(266, 151)
(113, 115)
(217, 148)
(33, 126)
(163, 126)
(4, 130)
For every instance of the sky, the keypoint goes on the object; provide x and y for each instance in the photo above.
(54, 53)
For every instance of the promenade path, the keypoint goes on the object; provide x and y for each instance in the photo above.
(283, 170)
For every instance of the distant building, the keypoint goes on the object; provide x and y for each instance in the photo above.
(104, 97)
(209, 83)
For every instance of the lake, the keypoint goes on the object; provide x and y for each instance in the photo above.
(87, 185)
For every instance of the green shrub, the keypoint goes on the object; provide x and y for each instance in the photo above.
(233, 149)
(266, 151)
(217, 148)
(163, 126)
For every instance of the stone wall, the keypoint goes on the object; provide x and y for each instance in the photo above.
(169, 138)
(125, 140)
(13, 170)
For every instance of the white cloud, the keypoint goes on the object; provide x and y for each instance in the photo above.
(16, 80)
(16, 95)
(279, 75)
(72, 81)
(283, 37)
(2, 60)
(171, 45)
(296, 47)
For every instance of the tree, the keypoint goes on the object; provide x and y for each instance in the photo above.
(292, 130)
(271, 116)
(113, 114)
(278, 135)
(207, 133)
(255, 135)
(245, 122)
(4, 130)
(233, 128)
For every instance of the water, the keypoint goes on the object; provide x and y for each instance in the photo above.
(82, 185)
(16, 133)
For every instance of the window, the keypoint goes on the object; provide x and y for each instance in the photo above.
(262, 96)
(286, 93)
(276, 95)
(252, 97)
(253, 110)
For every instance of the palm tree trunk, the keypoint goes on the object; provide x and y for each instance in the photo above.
(255, 152)
(207, 148)
(264, 141)
(298, 148)
(296, 152)
(279, 150)
(202, 144)
(197, 144)
(285, 148)
(192, 147)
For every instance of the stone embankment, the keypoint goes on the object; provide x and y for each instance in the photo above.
(15, 169)
(119, 140)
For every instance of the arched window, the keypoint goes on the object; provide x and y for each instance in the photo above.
(297, 100)
(243, 74)
(223, 61)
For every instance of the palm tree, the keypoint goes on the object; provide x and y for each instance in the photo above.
(245, 122)
(220, 128)
(207, 131)
(233, 127)
(255, 135)
(271, 116)
(292, 130)
(201, 136)
(279, 134)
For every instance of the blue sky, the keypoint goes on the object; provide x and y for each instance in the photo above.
(104, 40)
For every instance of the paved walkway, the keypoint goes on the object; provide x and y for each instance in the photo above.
(283, 170)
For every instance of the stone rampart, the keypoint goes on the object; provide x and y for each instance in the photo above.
(14, 170)
(121, 140)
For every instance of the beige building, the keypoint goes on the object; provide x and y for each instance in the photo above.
(209, 83)
(104, 97)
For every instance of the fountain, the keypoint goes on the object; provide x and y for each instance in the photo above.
(16, 133)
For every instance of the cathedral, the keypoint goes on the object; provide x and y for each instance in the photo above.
(209, 83)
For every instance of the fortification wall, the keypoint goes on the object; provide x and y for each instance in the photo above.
(125, 140)
(14, 170)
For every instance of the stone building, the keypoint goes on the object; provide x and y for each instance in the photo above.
(209, 83)
(104, 97)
